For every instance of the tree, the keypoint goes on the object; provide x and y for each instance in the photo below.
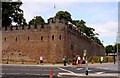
(63, 14)
(115, 47)
(98, 41)
(83, 28)
(37, 20)
(112, 48)
(11, 12)
(109, 49)
(80, 25)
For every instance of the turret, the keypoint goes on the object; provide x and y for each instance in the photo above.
(56, 20)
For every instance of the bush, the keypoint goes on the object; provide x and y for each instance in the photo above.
(96, 59)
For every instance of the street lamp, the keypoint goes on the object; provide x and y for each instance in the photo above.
(117, 51)
(117, 46)
(113, 50)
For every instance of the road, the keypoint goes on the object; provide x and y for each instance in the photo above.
(41, 71)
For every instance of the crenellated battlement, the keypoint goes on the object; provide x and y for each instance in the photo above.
(36, 27)
(56, 20)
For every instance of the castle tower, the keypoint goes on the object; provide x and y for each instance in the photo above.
(56, 40)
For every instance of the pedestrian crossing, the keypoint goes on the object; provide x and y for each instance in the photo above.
(81, 72)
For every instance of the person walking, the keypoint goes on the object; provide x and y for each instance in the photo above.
(101, 59)
(64, 59)
(83, 60)
(78, 59)
(41, 60)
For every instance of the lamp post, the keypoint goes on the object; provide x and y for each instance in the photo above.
(117, 51)
(114, 53)
(86, 62)
(117, 46)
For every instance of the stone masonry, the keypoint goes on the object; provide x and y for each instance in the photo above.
(52, 41)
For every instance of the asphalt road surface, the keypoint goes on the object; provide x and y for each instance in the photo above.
(24, 71)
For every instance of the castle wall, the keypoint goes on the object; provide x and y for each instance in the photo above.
(80, 43)
(52, 42)
(28, 42)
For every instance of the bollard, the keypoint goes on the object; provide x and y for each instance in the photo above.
(86, 69)
(51, 74)
(86, 72)
(64, 63)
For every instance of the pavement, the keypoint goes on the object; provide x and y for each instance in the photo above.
(105, 70)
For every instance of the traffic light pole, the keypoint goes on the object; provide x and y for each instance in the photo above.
(86, 62)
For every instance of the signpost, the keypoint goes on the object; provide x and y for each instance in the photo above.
(86, 68)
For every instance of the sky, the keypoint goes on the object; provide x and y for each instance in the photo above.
(102, 15)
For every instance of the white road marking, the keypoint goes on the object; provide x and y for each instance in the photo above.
(69, 73)
(99, 72)
(79, 68)
(89, 70)
(67, 70)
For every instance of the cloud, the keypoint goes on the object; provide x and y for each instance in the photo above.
(100, 16)
(44, 9)
(32, 9)
(108, 29)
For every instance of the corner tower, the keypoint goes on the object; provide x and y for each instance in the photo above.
(56, 40)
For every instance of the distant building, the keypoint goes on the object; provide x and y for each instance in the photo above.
(52, 41)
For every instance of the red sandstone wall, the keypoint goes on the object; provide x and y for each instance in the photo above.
(52, 50)
(81, 43)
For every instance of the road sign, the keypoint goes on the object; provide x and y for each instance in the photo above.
(85, 53)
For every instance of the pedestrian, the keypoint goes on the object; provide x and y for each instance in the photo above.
(83, 60)
(78, 59)
(41, 60)
(64, 59)
(73, 61)
(101, 59)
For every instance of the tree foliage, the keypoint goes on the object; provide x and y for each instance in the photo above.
(109, 49)
(63, 14)
(83, 28)
(98, 41)
(11, 12)
(112, 48)
(37, 20)
(81, 25)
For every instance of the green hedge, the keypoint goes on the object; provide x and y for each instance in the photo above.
(96, 59)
